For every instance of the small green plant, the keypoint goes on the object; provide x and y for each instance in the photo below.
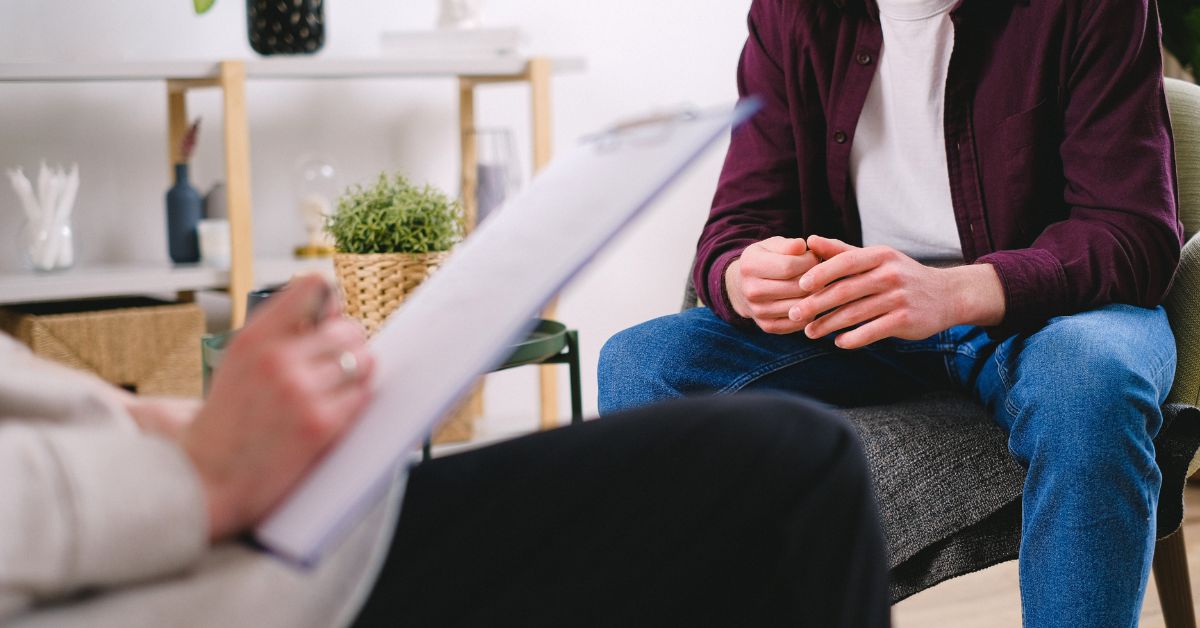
(395, 216)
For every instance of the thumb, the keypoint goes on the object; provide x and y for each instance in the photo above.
(297, 308)
(826, 248)
(785, 246)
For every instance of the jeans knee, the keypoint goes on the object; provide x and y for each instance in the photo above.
(1107, 445)
(1119, 350)
(1092, 450)
(1092, 384)
(616, 355)
(632, 368)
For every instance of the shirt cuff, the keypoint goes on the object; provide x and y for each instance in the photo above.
(1035, 288)
(721, 305)
(137, 505)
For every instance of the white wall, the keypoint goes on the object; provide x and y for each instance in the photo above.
(641, 56)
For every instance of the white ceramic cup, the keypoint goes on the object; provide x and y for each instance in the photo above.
(214, 242)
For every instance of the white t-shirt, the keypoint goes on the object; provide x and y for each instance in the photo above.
(898, 161)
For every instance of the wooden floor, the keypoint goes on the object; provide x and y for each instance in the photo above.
(989, 599)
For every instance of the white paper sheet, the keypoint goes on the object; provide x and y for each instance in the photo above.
(464, 320)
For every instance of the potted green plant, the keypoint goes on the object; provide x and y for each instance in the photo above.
(389, 237)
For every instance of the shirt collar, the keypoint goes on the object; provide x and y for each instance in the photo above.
(914, 9)
(872, 7)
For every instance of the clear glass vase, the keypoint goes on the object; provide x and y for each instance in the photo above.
(498, 174)
(48, 247)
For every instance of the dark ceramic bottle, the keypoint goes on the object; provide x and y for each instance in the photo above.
(185, 208)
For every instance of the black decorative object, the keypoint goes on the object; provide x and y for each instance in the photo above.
(285, 27)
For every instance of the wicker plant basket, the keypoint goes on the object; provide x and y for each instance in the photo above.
(373, 286)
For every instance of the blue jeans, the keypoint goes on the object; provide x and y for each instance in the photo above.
(1080, 400)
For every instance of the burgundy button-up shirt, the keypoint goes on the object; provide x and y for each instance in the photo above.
(1058, 140)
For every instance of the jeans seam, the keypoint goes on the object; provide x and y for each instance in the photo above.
(1001, 358)
(809, 353)
(951, 372)
(933, 348)
(1158, 375)
(964, 350)
(939, 347)
(790, 359)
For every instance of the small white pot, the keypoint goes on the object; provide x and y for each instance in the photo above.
(460, 14)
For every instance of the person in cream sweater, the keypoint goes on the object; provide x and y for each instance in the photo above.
(122, 511)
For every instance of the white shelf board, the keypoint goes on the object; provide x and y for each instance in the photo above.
(398, 67)
(38, 72)
(278, 68)
(133, 279)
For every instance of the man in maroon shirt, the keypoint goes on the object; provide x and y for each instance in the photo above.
(1059, 198)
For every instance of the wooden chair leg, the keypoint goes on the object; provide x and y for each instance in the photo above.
(1174, 586)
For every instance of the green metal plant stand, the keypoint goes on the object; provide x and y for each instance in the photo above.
(550, 342)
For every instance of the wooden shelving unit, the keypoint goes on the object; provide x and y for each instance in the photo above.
(182, 77)
(106, 280)
(293, 68)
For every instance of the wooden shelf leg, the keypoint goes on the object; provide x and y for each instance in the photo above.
(177, 126)
(469, 152)
(237, 185)
(539, 85)
(539, 73)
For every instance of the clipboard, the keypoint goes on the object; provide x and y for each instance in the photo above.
(482, 301)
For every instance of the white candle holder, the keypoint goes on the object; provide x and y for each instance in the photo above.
(461, 14)
(47, 237)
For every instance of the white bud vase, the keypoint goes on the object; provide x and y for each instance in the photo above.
(460, 14)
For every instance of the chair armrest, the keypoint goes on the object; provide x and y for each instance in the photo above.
(1183, 308)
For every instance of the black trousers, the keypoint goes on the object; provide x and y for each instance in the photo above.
(738, 511)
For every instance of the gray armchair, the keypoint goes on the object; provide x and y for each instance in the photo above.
(949, 491)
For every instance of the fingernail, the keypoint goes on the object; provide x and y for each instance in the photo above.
(808, 331)
(805, 283)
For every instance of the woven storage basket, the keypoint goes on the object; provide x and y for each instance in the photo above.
(373, 286)
(145, 346)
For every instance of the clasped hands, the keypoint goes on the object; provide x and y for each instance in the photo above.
(823, 286)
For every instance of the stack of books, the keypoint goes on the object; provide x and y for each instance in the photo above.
(452, 44)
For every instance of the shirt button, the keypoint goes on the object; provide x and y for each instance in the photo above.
(864, 58)
(840, 137)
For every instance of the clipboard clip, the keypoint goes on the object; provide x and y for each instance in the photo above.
(650, 129)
